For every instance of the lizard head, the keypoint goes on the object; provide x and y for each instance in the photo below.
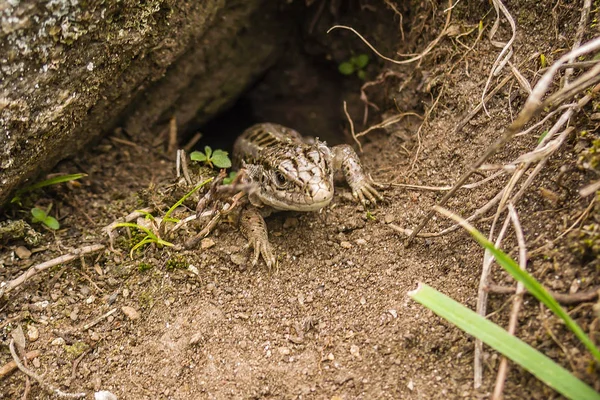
(298, 178)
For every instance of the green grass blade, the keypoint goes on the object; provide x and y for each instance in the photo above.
(142, 242)
(137, 226)
(532, 285)
(494, 336)
(536, 289)
(188, 194)
(52, 181)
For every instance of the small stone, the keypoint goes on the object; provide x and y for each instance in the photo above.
(363, 301)
(32, 333)
(210, 287)
(104, 395)
(196, 339)
(284, 351)
(58, 342)
(90, 299)
(23, 252)
(330, 357)
(125, 293)
(394, 313)
(193, 269)
(389, 218)
(130, 312)
(290, 222)
(206, 243)
(243, 344)
(242, 315)
(94, 336)
(361, 242)
(238, 259)
(345, 244)
(355, 351)
(410, 385)
(36, 362)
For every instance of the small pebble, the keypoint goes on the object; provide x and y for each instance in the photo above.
(23, 252)
(346, 245)
(196, 339)
(36, 362)
(330, 357)
(94, 336)
(32, 333)
(58, 341)
(210, 287)
(130, 312)
(394, 313)
(238, 259)
(389, 218)
(104, 395)
(361, 241)
(90, 299)
(125, 293)
(284, 351)
(355, 351)
(206, 243)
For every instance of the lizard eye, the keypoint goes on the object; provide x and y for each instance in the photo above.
(280, 180)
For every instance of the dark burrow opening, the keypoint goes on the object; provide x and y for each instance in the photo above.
(306, 87)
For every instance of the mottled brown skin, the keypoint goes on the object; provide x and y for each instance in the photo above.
(291, 174)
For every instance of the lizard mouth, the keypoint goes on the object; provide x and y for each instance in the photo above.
(300, 202)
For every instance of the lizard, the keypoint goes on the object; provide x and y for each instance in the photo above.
(288, 173)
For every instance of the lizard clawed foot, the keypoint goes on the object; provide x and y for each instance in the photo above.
(365, 192)
(262, 247)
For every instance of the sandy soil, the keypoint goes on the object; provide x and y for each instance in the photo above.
(334, 320)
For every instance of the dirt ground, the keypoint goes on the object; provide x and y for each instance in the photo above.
(333, 321)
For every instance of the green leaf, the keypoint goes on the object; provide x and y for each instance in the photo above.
(360, 61)
(51, 223)
(230, 178)
(361, 74)
(197, 156)
(542, 136)
(208, 151)
(494, 336)
(221, 159)
(346, 68)
(543, 60)
(39, 215)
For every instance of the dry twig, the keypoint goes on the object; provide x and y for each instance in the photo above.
(38, 379)
(532, 107)
(76, 253)
(517, 301)
(567, 299)
(9, 367)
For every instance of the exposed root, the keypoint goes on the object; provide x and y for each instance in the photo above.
(427, 50)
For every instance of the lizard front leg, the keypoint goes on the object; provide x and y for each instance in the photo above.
(363, 187)
(253, 227)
